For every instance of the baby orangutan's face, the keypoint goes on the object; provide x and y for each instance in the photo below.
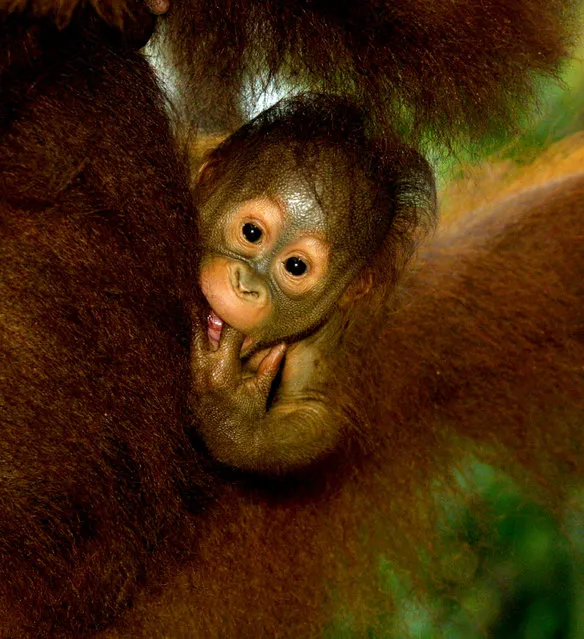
(269, 268)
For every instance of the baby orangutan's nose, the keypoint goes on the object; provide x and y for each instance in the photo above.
(247, 285)
(246, 289)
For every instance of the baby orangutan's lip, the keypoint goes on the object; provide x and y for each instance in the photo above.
(214, 329)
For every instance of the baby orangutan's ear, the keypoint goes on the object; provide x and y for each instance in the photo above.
(358, 288)
(208, 174)
(205, 173)
(205, 179)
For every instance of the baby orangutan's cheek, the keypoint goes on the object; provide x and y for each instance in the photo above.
(235, 309)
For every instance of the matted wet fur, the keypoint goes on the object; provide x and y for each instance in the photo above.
(102, 496)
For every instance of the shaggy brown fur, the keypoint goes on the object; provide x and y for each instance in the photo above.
(452, 69)
(457, 69)
(98, 252)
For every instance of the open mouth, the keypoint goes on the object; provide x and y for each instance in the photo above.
(215, 329)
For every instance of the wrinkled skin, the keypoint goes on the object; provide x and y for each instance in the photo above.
(258, 295)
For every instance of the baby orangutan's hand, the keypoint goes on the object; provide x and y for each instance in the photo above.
(227, 400)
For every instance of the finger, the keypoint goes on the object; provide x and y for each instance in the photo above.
(199, 342)
(227, 368)
(269, 367)
(199, 350)
(231, 341)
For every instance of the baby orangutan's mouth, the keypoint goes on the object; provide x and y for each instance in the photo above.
(215, 328)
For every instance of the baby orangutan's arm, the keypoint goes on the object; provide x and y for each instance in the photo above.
(233, 418)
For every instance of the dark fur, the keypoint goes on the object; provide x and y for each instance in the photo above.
(453, 70)
(97, 480)
(97, 249)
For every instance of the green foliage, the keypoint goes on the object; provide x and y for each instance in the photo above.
(510, 570)
(528, 575)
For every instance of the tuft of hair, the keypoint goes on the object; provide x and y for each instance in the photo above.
(451, 70)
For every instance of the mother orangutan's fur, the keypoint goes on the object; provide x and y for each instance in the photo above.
(98, 481)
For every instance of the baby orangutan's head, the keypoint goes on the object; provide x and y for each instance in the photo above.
(295, 209)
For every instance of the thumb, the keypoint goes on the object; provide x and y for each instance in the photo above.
(269, 367)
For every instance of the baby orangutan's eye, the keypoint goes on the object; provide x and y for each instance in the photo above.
(295, 266)
(251, 232)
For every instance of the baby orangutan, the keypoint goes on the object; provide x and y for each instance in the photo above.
(302, 213)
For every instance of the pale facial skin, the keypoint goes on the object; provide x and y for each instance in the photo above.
(277, 286)
(266, 270)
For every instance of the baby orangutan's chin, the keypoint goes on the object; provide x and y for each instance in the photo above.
(215, 328)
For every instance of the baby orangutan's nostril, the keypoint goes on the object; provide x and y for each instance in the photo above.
(243, 287)
(246, 290)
